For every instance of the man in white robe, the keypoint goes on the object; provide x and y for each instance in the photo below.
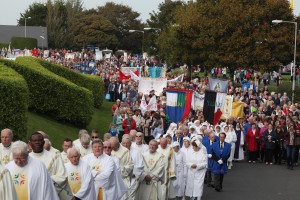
(65, 146)
(139, 143)
(7, 188)
(126, 164)
(85, 145)
(54, 164)
(30, 175)
(153, 176)
(76, 143)
(80, 176)
(104, 173)
(168, 191)
(5, 146)
(48, 147)
(138, 166)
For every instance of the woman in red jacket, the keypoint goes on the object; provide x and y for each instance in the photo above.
(252, 138)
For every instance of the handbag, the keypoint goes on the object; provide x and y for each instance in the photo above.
(107, 97)
(297, 141)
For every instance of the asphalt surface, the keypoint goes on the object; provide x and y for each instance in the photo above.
(257, 181)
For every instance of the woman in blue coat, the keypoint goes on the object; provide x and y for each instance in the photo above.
(220, 154)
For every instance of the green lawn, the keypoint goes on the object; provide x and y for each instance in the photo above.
(58, 131)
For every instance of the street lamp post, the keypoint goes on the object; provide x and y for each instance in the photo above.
(42, 41)
(132, 31)
(26, 25)
(295, 51)
(149, 28)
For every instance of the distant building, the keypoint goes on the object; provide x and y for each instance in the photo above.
(38, 32)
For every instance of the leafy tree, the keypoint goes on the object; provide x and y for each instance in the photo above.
(124, 19)
(38, 14)
(92, 28)
(234, 33)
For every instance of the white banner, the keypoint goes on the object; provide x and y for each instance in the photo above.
(99, 55)
(227, 108)
(126, 70)
(179, 79)
(70, 56)
(152, 105)
(125, 57)
(134, 76)
(156, 84)
(46, 53)
(198, 101)
(218, 85)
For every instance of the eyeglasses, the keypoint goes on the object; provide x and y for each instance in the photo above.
(138, 136)
(106, 147)
(94, 136)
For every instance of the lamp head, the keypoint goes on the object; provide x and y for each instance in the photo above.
(276, 21)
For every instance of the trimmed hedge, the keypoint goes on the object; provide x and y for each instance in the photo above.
(14, 98)
(54, 95)
(3, 45)
(23, 43)
(90, 82)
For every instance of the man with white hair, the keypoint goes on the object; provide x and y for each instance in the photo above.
(54, 164)
(168, 191)
(76, 142)
(5, 146)
(138, 166)
(152, 177)
(126, 164)
(132, 134)
(85, 147)
(104, 172)
(139, 143)
(80, 176)
(48, 144)
(7, 188)
(30, 176)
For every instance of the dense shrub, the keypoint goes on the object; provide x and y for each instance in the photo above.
(90, 82)
(3, 45)
(23, 43)
(14, 97)
(54, 95)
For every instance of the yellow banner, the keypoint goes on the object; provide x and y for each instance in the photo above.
(237, 109)
(292, 4)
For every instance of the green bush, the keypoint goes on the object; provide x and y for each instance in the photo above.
(23, 43)
(90, 82)
(54, 95)
(14, 97)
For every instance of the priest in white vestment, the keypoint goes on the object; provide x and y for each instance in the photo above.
(54, 164)
(196, 164)
(104, 173)
(7, 188)
(153, 175)
(5, 146)
(30, 176)
(179, 183)
(168, 191)
(138, 166)
(139, 143)
(80, 176)
(231, 139)
(67, 144)
(126, 164)
(85, 145)
(76, 143)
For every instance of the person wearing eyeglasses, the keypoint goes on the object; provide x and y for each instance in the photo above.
(94, 134)
(30, 176)
(139, 143)
(104, 172)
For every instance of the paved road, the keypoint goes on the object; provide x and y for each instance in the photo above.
(249, 181)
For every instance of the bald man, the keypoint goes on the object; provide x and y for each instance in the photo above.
(151, 178)
(168, 191)
(139, 143)
(5, 146)
(126, 164)
(138, 166)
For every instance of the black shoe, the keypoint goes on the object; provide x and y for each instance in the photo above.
(210, 185)
(218, 189)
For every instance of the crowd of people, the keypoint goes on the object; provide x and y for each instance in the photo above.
(144, 155)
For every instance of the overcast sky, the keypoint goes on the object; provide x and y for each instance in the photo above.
(11, 9)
